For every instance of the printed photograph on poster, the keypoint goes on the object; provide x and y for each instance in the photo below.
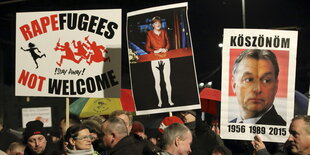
(68, 53)
(163, 76)
(257, 91)
(43, 114)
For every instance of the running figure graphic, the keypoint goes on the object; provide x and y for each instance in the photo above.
(69, 55)
(97, 55)
(81, 49)
(34, 55)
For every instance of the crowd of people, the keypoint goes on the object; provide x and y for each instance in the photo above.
(120, 134)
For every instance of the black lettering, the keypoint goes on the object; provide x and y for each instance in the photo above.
(72, 20)
(261, 41)
(285, 42)
(247, 41)
(54, 87)
(112, 78)
(110, 33)
(82, 24)
(92, 24)
(240, 40)
(72, 91)
(276, 41)
(79, 88)
(254, 41)
(90, 85)
(65, 87)
(101, 25)
(62, 20)
(102, 81)
(233, 41)
(268, 41)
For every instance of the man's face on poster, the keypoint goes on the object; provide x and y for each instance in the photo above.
(255, 85)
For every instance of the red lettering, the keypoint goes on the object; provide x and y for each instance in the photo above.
(41, 79)
(54, 22)
(25, 29)
(32, 81)
(44, 22)
(36, 29)
(23, 77)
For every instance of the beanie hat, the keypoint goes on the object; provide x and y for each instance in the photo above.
(34, 128)
(137, 127)
(168, 121)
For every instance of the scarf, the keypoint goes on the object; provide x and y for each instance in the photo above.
(81, 152)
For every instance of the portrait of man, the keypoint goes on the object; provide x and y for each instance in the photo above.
(255, 84)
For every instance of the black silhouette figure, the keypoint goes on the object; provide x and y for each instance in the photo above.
(162, 83)
(34, 55)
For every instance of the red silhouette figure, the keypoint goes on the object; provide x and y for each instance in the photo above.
(97, 55)
(68, 53)
(81, 49)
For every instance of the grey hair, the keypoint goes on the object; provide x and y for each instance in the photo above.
(172, 132)
(116, 125)
(120, 112)
(306, 119)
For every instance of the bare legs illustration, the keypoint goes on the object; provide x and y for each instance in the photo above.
(161, 72)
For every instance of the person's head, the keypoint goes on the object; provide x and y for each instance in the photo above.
(125, 116)
(156, 23)
(177, 139)
(16, 148)
(78, 138)
(299, 139)
(73, 120)
(94, 128)
(34, 137)
(31, 44)
(255, 81)
(113, 129)
(138, 129)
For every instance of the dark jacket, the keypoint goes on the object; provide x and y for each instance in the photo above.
(270, 118)
(204, 140)
(130, 145)
(49, 150)
(6, 138)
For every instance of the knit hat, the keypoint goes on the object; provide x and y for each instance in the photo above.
(137, 127)
(34, 128)
(168, 121)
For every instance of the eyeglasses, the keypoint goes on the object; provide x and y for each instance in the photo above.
(84, 137)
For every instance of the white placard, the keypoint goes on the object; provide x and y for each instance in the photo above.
(69, 53)
(43, 114)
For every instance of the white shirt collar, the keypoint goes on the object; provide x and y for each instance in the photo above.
(251, 120)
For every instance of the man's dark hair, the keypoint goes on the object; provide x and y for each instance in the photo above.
(306, 119)
(258, 55)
